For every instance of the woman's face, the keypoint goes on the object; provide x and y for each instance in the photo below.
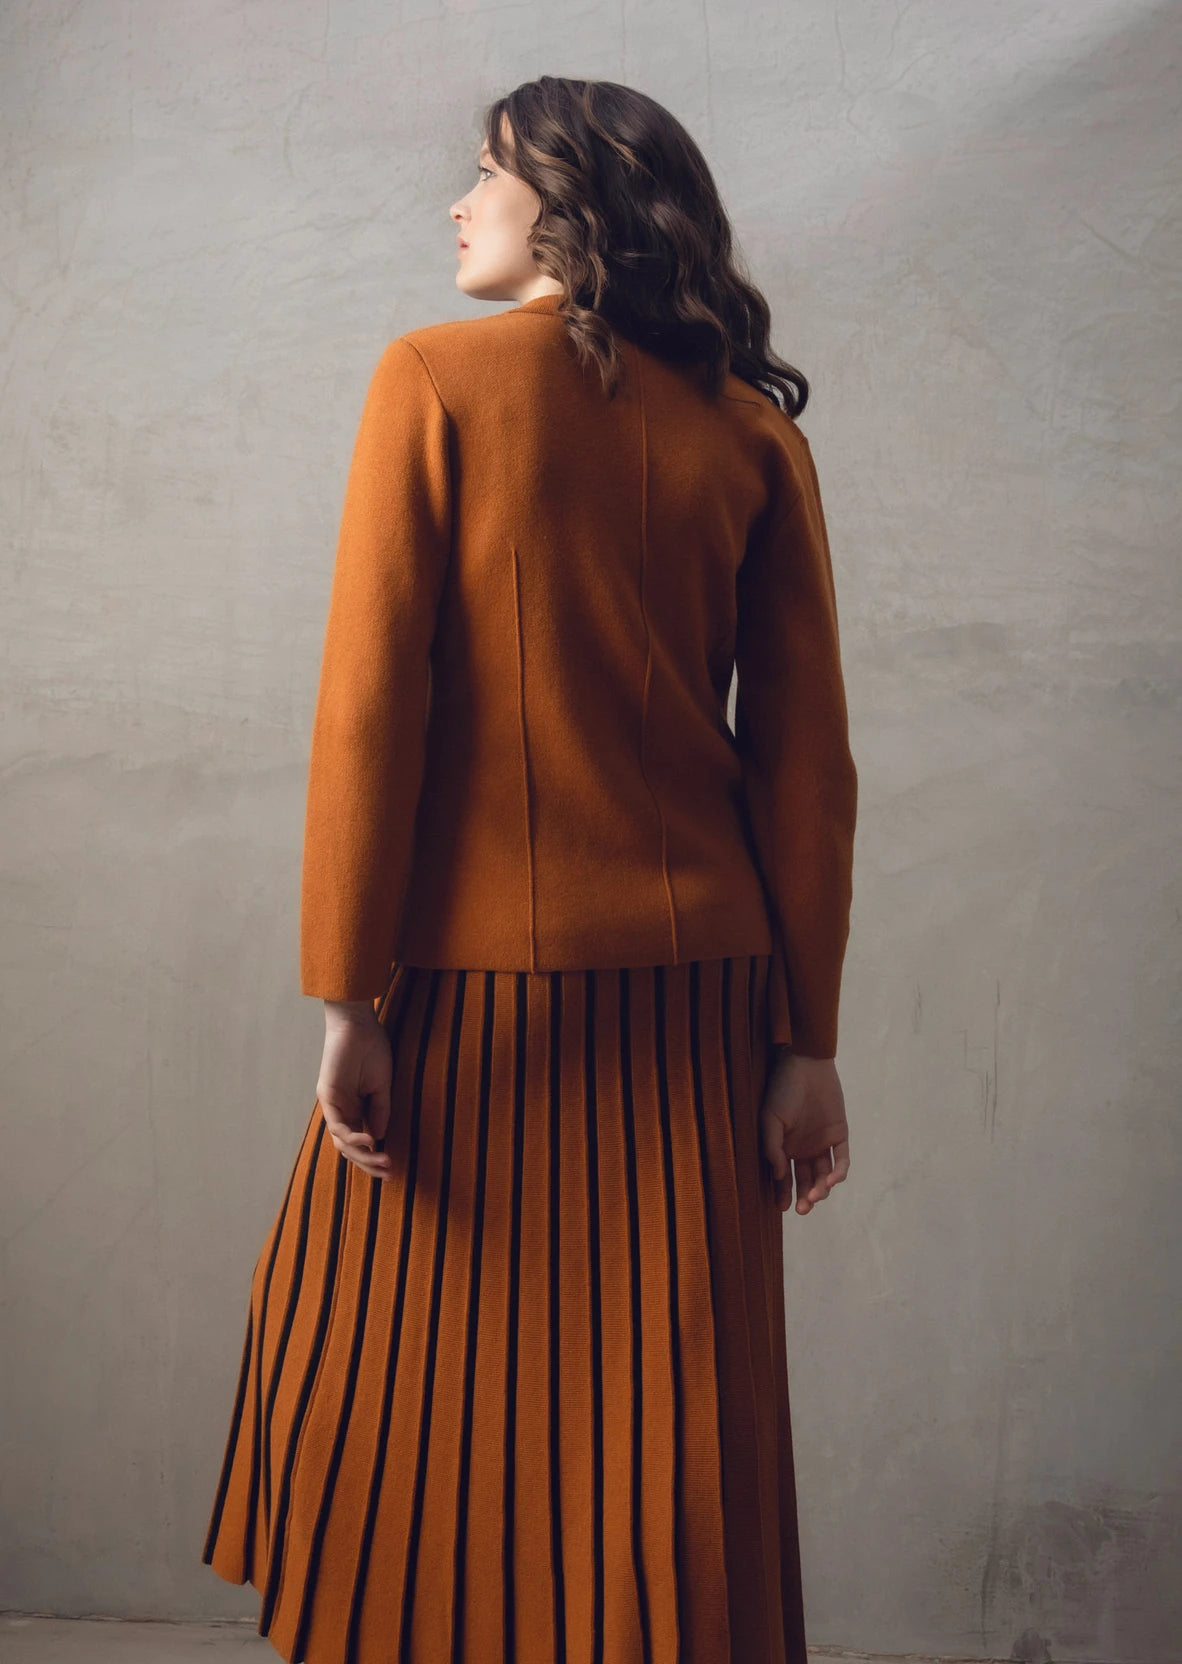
(492, 221)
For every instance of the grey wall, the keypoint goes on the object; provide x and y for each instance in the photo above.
(964, 216)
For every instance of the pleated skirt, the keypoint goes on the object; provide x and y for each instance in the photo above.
(526, 1401)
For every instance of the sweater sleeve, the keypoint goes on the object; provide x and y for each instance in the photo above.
(368, 740)
(799, 779)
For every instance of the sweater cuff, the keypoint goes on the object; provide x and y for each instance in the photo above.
(780, 1029)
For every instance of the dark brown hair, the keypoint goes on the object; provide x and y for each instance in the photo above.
(632, 226)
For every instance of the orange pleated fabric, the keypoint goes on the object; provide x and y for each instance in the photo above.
(526, 1402)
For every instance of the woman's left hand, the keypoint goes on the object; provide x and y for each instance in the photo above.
(356, 1070)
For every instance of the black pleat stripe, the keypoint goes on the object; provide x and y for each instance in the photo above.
(453, 1061)
(635, 1272)
(231, 1452)
(293, 1294)
(219, 1502)
(311, 1370)
(485, 1087)
(555, 1224)
(727, 1050)
(695, 1027)
(361, 1574)
(313, 1567)
(521, 1016)
(751, 992)
(589, 1088)
(660, 1040)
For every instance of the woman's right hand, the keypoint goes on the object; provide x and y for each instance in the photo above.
(353, 1088)
(803, 1124)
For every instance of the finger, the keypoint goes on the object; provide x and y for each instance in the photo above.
(377, 1114)
(822, 1167)
(771, 1130)
(371, 1172)
(379, 1166)
(804, 1180)
(340, 1122)
(841, 1162)
(343, 1130)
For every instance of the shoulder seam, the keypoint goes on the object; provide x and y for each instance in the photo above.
(449, 424)
(430, 375)
(783, 516)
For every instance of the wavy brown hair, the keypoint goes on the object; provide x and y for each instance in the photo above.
(633, 227)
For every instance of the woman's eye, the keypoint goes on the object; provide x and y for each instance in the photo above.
(485, 170)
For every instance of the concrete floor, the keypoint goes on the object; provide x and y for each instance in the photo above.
(25, 1640)
(28, 1640)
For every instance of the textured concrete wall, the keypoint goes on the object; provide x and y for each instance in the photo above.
(966, 221)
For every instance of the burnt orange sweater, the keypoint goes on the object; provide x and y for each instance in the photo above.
(520, 755)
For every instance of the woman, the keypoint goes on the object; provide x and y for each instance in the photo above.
(514, 1381)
